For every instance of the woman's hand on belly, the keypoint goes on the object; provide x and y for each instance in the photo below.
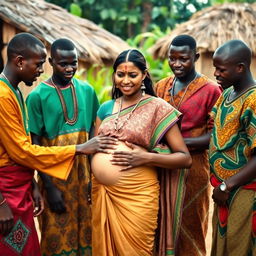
(129, 159)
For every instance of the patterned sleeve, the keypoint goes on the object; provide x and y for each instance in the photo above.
(214, 94)
(160, 87)
(35, 116)
(95, 105)
(165, 117)
(92, 103)
(157, 89)
(249, 120)
(215, 107)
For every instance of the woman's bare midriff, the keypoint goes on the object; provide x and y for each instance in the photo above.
(105, 172)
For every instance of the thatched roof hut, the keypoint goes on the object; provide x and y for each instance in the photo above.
(50, 22)
(213, 26)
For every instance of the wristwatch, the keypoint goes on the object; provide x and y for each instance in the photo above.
(224, 187)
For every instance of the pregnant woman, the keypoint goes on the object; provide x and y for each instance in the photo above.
(125, 186)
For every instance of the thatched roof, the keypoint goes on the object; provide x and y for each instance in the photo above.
(213, 26)
(50, 22)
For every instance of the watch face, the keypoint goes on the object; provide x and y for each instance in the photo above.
(223, 187)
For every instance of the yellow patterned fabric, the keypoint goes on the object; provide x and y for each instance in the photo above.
(237, 240)
(62, 234)
(234, 133)
(68, 233)
(15, 143)
(231, 147)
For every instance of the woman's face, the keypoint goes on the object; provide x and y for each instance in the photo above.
(128, 78)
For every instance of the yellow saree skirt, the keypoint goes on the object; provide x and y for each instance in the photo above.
(124, 215)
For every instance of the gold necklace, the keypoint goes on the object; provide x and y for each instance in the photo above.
(185, 92)
(128, 117)
(64, 106)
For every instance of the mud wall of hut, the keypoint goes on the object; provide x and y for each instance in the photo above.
(204, 65)
(8, 32)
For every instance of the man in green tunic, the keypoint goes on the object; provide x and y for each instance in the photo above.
(61, 111)
(232, 153)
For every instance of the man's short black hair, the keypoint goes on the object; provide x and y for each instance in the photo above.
(22, 44)
(62, 44)
(236, 51)
(184, 40)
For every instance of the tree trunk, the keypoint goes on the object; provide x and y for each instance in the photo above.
(146, 15)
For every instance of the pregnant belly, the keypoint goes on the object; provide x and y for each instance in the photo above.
(105, 172)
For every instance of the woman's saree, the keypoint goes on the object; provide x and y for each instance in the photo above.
(126, 214)
(195, 103)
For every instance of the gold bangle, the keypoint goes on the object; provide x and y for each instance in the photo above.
(4, 200)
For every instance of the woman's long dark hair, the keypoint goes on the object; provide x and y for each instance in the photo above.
(139, 61)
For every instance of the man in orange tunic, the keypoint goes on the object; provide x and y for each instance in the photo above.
(194, 95)
(18, 157)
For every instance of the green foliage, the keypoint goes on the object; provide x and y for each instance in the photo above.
(232, 1)
(75, 9)
(157, 68)
(128, 18)
(100, 78)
